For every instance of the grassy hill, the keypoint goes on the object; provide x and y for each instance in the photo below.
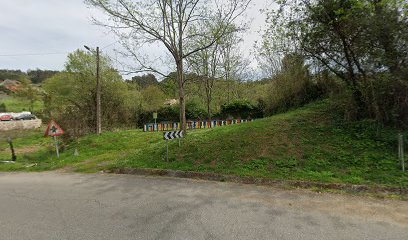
(311, 143)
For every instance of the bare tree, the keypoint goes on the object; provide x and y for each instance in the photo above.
(233, 63)
(174, 24)
(206, 65)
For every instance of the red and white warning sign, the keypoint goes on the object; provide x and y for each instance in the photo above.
(53, 129)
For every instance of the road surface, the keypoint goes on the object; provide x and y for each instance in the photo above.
(43, 206)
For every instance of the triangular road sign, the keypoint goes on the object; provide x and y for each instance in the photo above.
(53, 129)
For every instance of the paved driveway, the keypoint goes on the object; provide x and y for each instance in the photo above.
(43, 206)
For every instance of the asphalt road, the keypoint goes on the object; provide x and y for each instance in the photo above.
(62, 206)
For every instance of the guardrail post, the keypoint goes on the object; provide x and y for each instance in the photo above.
(401, 151)
(167, 150)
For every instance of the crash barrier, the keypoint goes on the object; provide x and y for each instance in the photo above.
(168, 126)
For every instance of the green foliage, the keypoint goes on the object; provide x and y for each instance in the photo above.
(240, 109)
(164, 114)
(172, 113)
(194, 111)
(11, 74)
(145, 80)
(3, 107)
(70, 96)
(38, 76)
(169, 85)
(153, 98)
(292, 87)
(29, 93)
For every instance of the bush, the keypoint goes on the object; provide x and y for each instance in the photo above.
(164, 114)
(385, 100)
(3, 107)
(240, 109)
(195, 111)
(172, 114)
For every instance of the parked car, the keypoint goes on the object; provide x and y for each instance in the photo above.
(6, 118)
(25, 117)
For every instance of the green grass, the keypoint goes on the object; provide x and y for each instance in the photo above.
(14, 104)
(310, 143)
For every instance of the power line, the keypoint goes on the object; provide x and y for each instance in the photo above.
(51, 53)
(110, 44)
(32, 54)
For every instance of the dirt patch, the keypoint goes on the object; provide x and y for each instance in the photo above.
(29, 149)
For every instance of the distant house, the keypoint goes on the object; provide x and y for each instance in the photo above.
(11, 85)
(170, 102)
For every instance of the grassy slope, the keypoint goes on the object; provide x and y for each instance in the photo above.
(304, 144)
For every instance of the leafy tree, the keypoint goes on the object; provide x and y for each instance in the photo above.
(145, 80)
(38, 75)
(12, 74)
(153, 98)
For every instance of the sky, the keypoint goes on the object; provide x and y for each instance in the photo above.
(41, 33)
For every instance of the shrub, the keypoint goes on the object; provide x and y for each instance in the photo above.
(195, 111)
(240, 109)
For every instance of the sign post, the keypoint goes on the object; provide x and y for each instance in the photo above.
(155, 118)
(401, 151)
(13, 154)
(54, 130)
(170, 136)
(56, 146)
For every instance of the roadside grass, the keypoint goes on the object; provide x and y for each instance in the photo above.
(311, 144)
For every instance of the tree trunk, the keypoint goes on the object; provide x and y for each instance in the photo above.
(180, 77)
(208, 95)
(209, 107)
(361, 106)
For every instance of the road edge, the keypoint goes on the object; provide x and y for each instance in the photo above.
(375, 190)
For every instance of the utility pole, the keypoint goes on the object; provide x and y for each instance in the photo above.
(98, 95)
(98, 92)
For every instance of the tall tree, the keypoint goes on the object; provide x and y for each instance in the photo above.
(174, 24)
(233, 64)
